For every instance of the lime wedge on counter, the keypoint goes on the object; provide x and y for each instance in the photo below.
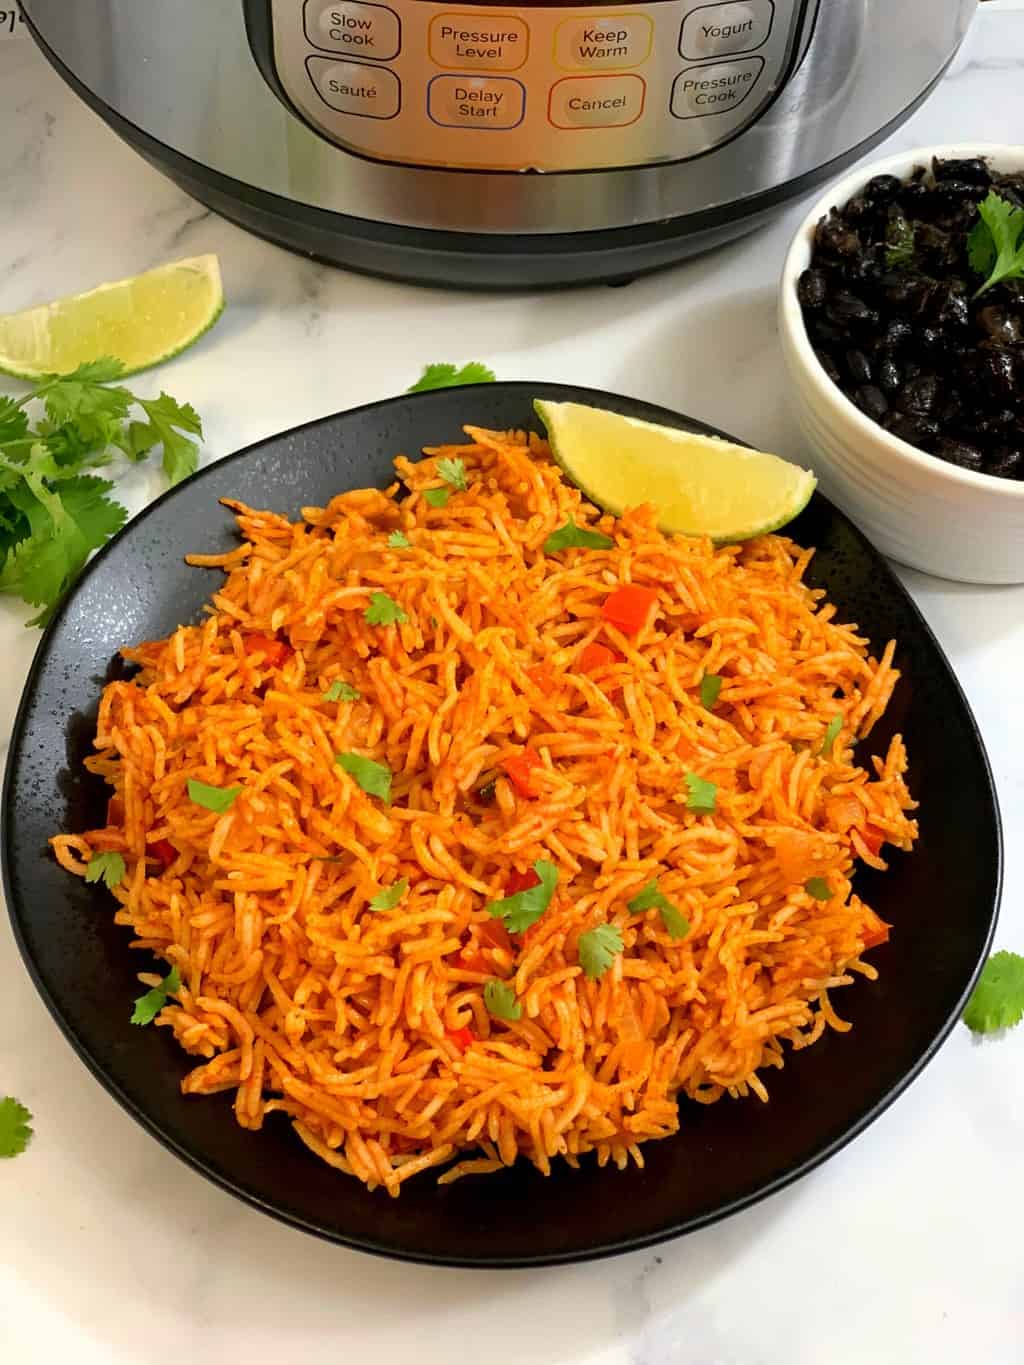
(140, 321)
(702, 486)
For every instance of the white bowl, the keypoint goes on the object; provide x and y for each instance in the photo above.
(916, 508)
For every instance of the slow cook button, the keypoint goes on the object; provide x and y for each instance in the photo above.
(606, 43)
(596, 101)
(355, 88)
(717, 88)
(487, 102)
(720, 30)
(354, 26)
(476, 42)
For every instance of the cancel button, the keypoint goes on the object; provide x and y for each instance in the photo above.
(596, 101)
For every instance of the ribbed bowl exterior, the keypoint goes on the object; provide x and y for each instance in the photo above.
(916, 508)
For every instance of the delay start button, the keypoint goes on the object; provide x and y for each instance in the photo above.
(355, 26)
(485, 102)
(607, 42)
(478, 42)
(715, 88)
(356, 87)
(596, 101)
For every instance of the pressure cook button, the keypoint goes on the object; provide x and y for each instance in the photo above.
(476, 42)
(596, 101)
(356, 88)
(720, 30)
(355, 26)
(608, 42)
(487, 102)
(716, 88)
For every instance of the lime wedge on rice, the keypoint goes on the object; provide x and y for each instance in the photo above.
(701, 486)
(140, 321)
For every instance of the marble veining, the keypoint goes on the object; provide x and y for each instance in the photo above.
(904, 1246)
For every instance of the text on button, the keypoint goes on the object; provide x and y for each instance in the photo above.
(355, 88)
(473, 42)
(714, 89)
(356, 26)
(596, 101)
(606, 43)
(721, 30)
(495, 102)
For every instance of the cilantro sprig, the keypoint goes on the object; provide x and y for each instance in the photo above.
(998, 999)
(702, 795)
(340, 690)
(500, 1000)
(524, 908)
(373, 778)
(105, 867)
(598, 948)
(148, 1006)
(15, 1129)
(388, 899)
(573, 537)
(384, 611)
(447, 376)
(650, 898)
(53, 510)
(995, 246)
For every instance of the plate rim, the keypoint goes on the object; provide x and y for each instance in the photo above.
(622, 1245)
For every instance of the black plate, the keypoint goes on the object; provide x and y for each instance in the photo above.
(943, 898)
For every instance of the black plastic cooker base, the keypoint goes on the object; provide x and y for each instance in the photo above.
(467, 260)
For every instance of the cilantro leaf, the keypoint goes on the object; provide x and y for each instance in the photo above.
(453, 472)
(148, 1006)
(437, 497)
(13, 421)
(703, 795)
(995, 246)
(167, 420)
(998, 999)
(899, 239)
(384, 611)
(217, 799)
(573, 537)
(650, 898)
(340, 690)
(373, 778)
(831, 735)
(15, 1131)
(500, 999)
(597, 947)
(524, 908)
(710, 686)
(387, 900)
(446, 376)
(397, 540)
(819, 888)
(108, 867)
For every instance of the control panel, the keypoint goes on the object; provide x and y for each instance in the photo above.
(532, 89)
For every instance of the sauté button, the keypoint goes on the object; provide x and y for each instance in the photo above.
(606, 43)
(720, 30)
(356, 88)
(596, 101)
(478, 42)
(355, 26)
(486, 102)
(716, 88)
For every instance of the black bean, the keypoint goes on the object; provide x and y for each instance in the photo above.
(998, 369)
(931, 340)
(845, 307)
(871, 400)
(883, 189)
(917, 396)
(957, 193)
(836, 238)
(906, 293)
(830, 367)
(998, 423)
(812, 289)
(971, 170)
(825, 333)
(897, 331)
(916, 431)
(890, 376)
(858, 366)
(1002, 324)
(1006, 462)
(948, 307)
(960, 453)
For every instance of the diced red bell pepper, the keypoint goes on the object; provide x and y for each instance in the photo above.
(164, 851)
(275, 652)
(115, 811)
(520, 768)
(461, 1037)
(628, 607)
(471, 960)
(873, 839)
(877, 930)
(493, 934)
(521, 881)
(595, 656)
(542, 676)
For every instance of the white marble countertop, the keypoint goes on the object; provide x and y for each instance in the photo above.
(906, 1245)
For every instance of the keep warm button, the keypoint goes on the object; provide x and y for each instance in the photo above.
(486, 102)
(596, 101)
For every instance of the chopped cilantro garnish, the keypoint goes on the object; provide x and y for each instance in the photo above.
(453, 472)
(524, 908)
(995, 247)
(998, 999)
(437, 497)
(217, 799)
(15, 1131)
(703, 795)
(597, 947)
(446, 376)
(500, 999)
(710, 686)
(373, 778)
(108, 867)
(573, 537)
(340, 690)
(384, 611)
(387, 900)
(148, 1006)
(650, 898)
(819, 888)
(398, 540)
(831, 735)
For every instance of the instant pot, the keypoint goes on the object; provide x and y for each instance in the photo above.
(478, 144)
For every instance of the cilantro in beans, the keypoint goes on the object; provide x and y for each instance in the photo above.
(914, 303)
